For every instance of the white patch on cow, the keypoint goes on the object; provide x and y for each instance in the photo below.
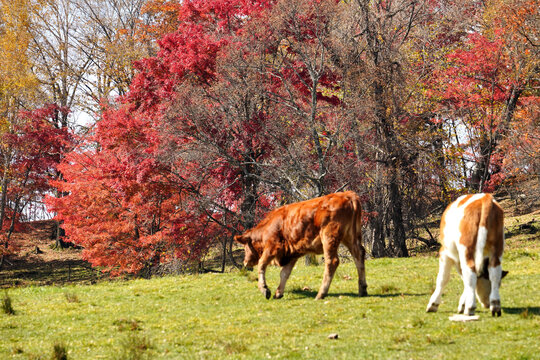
(480, 245)
(451, 231)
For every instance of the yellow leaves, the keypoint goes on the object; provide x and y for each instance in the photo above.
(16, 78)
(4, 125)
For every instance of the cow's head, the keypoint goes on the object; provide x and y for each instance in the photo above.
(483, 286)
(251, 257)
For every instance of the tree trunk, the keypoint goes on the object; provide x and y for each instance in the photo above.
(59, 234)
(488, 144)
(3, 200)
(223, 254)
(393, 158)
(398, 237)
(250, 185)
(231, 255)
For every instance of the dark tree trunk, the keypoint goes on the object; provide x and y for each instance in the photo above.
(223, 254)
(250, 185)
(488, 143)
(393, 158)
(398, 237)
(3, 200)
(59, 234)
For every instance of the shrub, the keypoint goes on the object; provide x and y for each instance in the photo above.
(7, 306)
(71, 297)
(59, 352)
(135, 347)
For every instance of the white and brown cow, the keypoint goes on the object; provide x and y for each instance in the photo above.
(314, 226)
(472, 239)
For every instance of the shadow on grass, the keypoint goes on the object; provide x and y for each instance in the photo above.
(523, 311)
(38, 273)
(313, 293)
(397, 294)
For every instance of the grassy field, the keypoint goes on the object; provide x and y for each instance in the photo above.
(216, 316)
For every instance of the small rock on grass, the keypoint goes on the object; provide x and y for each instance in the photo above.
(333, 336)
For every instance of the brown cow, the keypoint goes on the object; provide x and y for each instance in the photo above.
(314, 226)
(472, 238)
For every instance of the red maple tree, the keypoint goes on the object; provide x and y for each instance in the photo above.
(32, 148)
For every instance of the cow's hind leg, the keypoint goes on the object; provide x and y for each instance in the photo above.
(445, 265)
(359, 255)
(331, 262)
(495, 275)
(461, 305)
(285, 273)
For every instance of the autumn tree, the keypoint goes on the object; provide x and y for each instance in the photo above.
(112, 40)
(158, 198)
(371, 51)
(478, 84)
(17, 86)
(163, 17)
(36, 147)
(124, 207)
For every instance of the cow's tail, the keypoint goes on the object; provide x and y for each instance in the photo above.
(357, 220)
(481, 238)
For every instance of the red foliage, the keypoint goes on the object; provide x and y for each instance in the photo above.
(130, 203)
(31, 149)
(124, 207)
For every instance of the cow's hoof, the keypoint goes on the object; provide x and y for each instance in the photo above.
(278, 295)
(432, 308)
(495, 307)
(267, 293)
(363, 291)
(469, 312)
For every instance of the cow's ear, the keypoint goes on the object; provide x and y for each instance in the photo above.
(240, 239)
(504, 273)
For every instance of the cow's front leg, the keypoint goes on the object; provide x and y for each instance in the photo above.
(445, 265)
(263, 263)
(495, 275)
(285, 273)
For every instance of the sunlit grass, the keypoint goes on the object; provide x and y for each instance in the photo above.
(217, 316)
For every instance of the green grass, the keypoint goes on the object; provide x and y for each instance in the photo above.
(217, 316)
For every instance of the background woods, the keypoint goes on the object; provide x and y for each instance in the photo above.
(175, 125)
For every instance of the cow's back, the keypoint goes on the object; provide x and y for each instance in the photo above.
(305, 222)
(463, 221)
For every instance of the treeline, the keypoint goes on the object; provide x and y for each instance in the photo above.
(206, 114)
